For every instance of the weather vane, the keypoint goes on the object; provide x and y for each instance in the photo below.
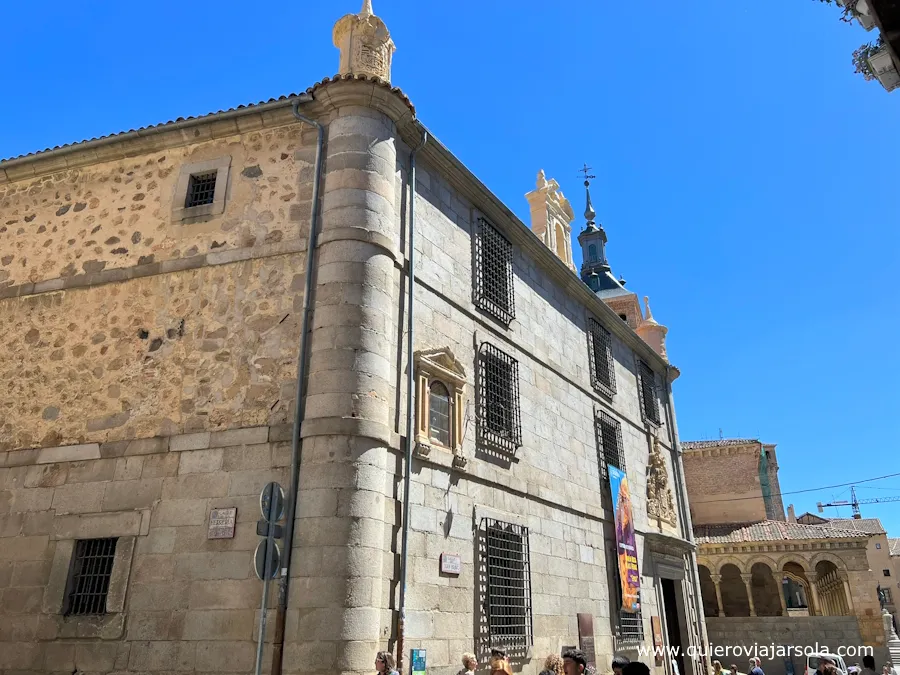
(587, 176)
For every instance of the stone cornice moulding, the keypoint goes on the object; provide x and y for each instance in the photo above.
(801, 545)
(456, 173)
(722, 450)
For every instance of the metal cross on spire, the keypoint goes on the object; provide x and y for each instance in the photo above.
(587, 177)
(589, 213)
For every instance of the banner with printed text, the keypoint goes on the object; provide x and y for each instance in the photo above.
(626, 551)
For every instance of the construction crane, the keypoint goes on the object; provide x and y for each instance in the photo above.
(854, 502)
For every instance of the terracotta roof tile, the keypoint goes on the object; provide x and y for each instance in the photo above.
(310, 90)
(870, 525)
(768, 530)
(699, 445)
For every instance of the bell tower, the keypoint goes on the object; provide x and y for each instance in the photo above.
(365, 44)
(551, 218)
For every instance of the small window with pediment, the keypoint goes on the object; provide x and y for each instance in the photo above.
(440, 390)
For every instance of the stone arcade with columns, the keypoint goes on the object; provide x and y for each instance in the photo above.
(766, 578)
(153, 295)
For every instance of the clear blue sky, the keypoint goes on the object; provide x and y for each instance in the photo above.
(747, 178)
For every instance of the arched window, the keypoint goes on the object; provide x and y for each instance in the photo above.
(592, 252)
(439, 413)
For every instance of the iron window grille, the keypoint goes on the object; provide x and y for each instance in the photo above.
(508, 576)
(610, 449)
(498, 402)
(629, 626)
(201, 189)
(888, 596)
(493, 288)
(89, 577)
(649, 393)
(603, 374)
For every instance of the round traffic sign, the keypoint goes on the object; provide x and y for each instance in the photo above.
(271, 502)
(259, 560)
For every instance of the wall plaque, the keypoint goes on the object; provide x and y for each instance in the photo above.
(586, 638)
(656, 627)
(221, 523)
(451, 563)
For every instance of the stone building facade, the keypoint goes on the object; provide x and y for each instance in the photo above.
(153, 301)
(766, 577)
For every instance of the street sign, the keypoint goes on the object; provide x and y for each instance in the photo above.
(271, 502)
(259, 561)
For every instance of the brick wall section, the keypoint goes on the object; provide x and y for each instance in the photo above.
(724, 488)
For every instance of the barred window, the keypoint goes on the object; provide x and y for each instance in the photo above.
(493, 288)
(628, 627)
(603, 374)
(201, 189)
(89, 577)
(649, 394)
(508, 576)
(610, 449)
(498, 403)
(888, 597)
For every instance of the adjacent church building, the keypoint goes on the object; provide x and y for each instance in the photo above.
(771, 578)
(476, 441)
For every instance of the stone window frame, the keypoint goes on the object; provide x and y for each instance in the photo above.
(439, 365)
(222, 167)
(126, 526)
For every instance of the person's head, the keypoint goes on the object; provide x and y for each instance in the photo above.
(618, 663)
(554, 664)
(869, 662)
(574, 662)
(497, 653)
(636, 668)
(717, 666)
(499, 664)
(830, 669)
(752, 664)
(734, 670)
(384, 662)
(469, 662)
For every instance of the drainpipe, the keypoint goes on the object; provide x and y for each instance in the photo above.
(291, 507)
(410, 416)
(688, 527)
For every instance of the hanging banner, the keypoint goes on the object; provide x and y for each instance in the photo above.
(626, 551)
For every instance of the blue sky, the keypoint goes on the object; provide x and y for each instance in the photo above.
(746, 177)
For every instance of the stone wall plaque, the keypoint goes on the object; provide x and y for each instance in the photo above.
(586, 638)
(451, 563)
(221, 523)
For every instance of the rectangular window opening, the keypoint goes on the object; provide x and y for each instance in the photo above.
(610, 449)
(89, 577)
(603, 374)
(493, 273)
(508, 572)
(500, 421)
(201, 189)
(649, 394)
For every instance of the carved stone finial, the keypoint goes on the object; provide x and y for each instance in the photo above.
(365, 44)
(541, 180)
(659, 497)
(649, 315)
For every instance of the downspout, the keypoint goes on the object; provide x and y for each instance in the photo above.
(410, 414)
(291, 507)
(685, 515)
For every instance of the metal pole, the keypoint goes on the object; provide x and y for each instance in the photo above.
(270, 542)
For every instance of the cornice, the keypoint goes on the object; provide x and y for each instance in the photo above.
(799, 546)
(456, 173)
(723, 450)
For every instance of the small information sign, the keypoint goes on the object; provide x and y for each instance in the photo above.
(451, 563)
(221, 523)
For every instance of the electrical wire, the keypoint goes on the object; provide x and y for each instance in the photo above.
(796, 492)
